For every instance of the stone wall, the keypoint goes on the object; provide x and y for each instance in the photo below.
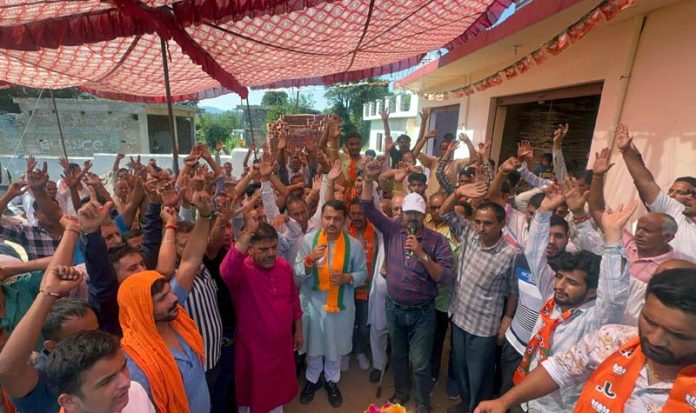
(89, 127)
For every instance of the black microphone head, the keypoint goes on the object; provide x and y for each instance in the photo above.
(411, 228)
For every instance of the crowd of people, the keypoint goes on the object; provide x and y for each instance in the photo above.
(150, 291)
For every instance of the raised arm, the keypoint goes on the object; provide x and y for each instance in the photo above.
(535, 251)
(13, 191)
(21, 267)
(36, 180)
(600, 168)
(166, 259)
(425, 116)
(251, 149)
(612, 291)
(103, 285)
(495, 193)
(442, 178)
(642, 178)
(205, 154)
(559, 166)
(192, 256)
(17, 376)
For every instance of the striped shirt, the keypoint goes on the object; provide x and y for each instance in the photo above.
(202, 306)
(485, 276)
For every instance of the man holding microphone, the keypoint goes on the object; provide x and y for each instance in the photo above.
(418, 259)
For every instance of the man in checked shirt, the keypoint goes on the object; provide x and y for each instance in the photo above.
(485, 282)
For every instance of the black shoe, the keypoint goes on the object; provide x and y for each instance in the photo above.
(310, 388)
(375, 375)
(395, 399)
(335, 398)
(458, 408)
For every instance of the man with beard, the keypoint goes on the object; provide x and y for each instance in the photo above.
(680, 202)
(361, 229)
(651, 368)
(329, 266)
(269, 324)
(165, 351)
(582, 295)
(530, 301)
(418, 260)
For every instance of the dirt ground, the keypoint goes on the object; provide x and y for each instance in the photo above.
(358, 392)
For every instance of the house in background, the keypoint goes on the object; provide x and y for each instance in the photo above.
(635, 69)
(403, 118)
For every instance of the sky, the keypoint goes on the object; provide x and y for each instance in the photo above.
(232, 100)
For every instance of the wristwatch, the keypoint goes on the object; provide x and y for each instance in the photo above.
(425, 259)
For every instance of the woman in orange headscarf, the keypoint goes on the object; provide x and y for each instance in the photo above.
(164, 348)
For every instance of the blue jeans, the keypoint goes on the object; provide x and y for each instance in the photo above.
(361, 331)
(412, 330)
(474, 365)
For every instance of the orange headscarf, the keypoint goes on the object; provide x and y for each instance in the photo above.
(143, 343)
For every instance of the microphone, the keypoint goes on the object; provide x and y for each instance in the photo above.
(411, 228)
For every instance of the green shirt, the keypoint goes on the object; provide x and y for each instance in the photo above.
(20, 292)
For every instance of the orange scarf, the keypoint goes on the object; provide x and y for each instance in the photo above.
(353, 169)
(542, 340)
(322, 274)
(369, 241)
(143, 343)
(611, 385)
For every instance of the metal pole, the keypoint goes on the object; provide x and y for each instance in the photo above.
(60, 129)
(251, 126)
(172, 130)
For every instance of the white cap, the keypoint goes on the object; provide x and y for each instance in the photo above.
(413, 202)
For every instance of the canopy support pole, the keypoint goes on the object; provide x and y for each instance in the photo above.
(172, 126)
(60, 128)
(251, 127)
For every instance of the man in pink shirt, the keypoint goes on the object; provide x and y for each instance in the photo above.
(649, 247)
(269, 328)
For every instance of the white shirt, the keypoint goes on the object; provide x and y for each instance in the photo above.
(608, 307)
(138, 402)
(574, 366)
(685, 239)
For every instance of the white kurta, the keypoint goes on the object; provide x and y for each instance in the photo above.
(328, 334)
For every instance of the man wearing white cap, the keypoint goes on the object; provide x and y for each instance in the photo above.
(418, 259)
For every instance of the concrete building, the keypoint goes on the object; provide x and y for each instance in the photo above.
(94, 126)
(636, 69)
(403, 118)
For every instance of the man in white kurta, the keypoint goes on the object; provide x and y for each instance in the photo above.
(328, 314)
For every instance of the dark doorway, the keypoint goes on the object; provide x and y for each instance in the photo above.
(536, 120)
(444, 120)
(160, 140)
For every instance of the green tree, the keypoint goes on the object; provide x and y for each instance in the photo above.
(213, 128)
(347, 101)
(272, 98)
(278, 104)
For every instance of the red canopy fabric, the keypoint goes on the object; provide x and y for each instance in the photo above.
(112, 49)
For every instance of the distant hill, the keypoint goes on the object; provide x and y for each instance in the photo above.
(211, 110)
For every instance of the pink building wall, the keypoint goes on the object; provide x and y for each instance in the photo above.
(660, 106)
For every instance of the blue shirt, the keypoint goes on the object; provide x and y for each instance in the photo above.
(189, 364)
(42, 398)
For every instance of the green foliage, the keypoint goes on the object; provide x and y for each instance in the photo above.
(213, 128)
(279, 103)
(347, 102)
